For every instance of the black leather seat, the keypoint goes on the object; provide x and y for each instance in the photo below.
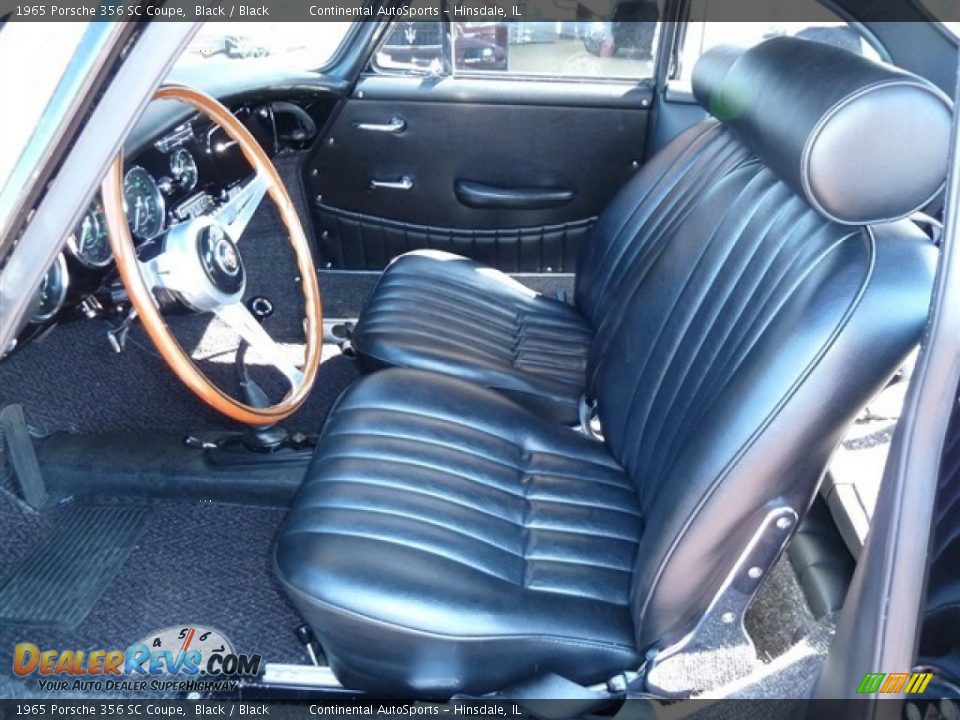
(441, 312)
(447, 539)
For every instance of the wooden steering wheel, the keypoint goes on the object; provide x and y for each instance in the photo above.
(201, 265)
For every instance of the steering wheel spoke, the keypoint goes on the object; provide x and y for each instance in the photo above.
(241, 320)
(237, 212)
(158, 273)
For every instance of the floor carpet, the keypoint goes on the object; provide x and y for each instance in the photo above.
(195, 564)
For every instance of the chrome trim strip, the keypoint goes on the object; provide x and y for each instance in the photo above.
(313, 676)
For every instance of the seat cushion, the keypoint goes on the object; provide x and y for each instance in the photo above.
(442, 312)
(446, 539)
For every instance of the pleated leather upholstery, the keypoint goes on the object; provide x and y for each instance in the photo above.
(639, 221)
(439, 510)
(354, 241)
(437, 311)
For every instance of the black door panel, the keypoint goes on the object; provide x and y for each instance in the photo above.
(511, 184)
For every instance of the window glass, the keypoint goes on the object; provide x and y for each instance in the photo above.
(621, 48)
(619, 42)
(413, 46)
(953, 27)
(823, 26)
(291, 45)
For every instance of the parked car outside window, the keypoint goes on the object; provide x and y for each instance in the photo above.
(292, 45)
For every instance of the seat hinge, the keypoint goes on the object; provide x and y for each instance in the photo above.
(722, 625)
(589, 420)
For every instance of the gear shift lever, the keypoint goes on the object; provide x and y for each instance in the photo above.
(266, 438)
(255, 445)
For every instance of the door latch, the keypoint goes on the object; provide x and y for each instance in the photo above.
(404, 183)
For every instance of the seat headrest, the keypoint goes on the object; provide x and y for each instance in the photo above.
(863, 142)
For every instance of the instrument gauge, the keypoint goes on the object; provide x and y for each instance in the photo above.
(89, 243)
(52, 291)
(184, 169)
(143, 203)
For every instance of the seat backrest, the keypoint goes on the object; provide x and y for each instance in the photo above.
(760, 302)
(641, 216)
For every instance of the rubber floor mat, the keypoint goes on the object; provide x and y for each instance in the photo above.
(60, 581)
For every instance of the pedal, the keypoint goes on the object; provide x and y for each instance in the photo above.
(210, 440)
(23, 456)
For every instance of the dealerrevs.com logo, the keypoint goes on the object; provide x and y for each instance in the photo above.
(173, 659)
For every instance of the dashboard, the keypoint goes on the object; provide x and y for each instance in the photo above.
(171, 177)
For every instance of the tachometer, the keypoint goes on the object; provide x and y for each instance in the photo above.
(143, 203)
(89, 242)
(184, 169)
(52, 291)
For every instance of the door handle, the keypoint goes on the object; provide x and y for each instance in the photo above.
(395, 125)
(404, 183)
(480, 196)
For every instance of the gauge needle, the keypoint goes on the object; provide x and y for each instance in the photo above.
(187, 640)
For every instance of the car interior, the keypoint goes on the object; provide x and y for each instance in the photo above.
(443, 372)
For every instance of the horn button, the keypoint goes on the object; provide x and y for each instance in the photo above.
(220, 259)
(201, 265)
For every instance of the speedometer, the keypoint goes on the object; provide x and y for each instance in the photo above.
(89, 242)
(143, 203)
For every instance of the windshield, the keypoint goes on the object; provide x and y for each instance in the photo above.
(291, 45)
(49, 45)
(953, 27)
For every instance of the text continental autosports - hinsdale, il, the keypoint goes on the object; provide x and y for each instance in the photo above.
(366, 11)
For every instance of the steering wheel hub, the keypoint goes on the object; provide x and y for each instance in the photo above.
(220, 259)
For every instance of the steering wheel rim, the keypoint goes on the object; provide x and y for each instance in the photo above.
(140, 289)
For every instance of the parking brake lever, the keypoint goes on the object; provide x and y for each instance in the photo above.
(261, 308)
